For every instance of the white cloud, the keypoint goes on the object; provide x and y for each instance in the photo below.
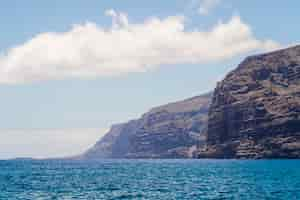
(207, 5)
(45, 143)
(89, 50)
(118, 19)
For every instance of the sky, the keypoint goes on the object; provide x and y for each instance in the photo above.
(70, 69)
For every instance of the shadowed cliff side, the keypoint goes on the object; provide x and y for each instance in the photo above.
(255, 110)
(254, 113)
(174, 130)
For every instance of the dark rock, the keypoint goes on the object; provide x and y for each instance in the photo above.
(255, 110)
(254, 113)
(174, 130)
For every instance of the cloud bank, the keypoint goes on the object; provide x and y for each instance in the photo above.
(89, 50)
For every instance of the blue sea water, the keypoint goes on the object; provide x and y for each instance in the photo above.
(150, 179)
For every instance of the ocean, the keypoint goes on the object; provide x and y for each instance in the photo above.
(150, 179)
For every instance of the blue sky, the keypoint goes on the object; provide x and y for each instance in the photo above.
(98, 100)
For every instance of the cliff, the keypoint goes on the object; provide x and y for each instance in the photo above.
(255, 110)
(174, 130)
(253, 113)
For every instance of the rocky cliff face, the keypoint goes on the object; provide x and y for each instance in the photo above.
(115, 143)
(255, 110)
(171, 131)
(254, 113)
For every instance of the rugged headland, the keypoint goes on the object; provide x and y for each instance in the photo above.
(255, 110)
(174, 130)
(253, 113)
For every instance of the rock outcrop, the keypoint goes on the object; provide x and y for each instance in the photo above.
(174, 130)
(255, 110)
(253, 113)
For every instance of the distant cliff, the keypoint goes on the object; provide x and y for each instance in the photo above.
(174, 130)
(255, 110)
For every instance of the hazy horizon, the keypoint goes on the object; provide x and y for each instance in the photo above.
(51, 143)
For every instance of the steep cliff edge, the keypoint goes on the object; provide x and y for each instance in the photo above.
(255, 110)
(253, 113)
(174, 130)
